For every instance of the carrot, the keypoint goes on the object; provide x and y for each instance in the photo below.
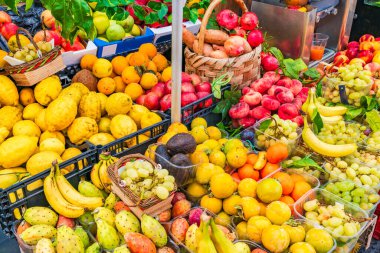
(188, 38)
(216, 37)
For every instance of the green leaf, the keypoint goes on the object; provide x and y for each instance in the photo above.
(353, 112)
(155, 5)
(12, 4)
(318, 90)
(29, 4)
(373, 119)
(317, 121)
(299, 65)
(368, 102)
(163, 11)
(312, 73)
(302, 163)
(276, 53)
(289, 70)
(193, 15)
(139, 11)
(265, 124)
(212, 24)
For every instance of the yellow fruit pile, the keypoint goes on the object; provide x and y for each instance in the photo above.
(34, 123)
(133, 74)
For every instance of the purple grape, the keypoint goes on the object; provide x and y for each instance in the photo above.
(248, 135)
(367, 131)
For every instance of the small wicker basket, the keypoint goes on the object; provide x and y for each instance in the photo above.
(152, 206)
(30, 73)
(243, 69)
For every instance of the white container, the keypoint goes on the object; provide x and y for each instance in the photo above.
(163, 34)
(74, 57)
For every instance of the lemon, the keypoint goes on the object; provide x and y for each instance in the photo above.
(247, 187)
(212, 144)
(212, 204)
(203, 148)
(320, 240)
(222, 185)
(52, 144)
(204, 173)
(232, 144)
(198, 122)
(217, 157)
(214, 133)
(222, 141)
(26, 127)
(199, 157)
(196, 190)
(200, 134)
(237, 157)
(178, 127)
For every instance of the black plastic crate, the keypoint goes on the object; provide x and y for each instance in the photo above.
(199, 107)
(24, 198)
(120, 148)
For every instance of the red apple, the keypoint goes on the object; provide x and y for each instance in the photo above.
(340, 53)
(168, 87)
(8, 30)
(204, 86)
(159, 89)
(352, 52)
(187, 88)
(365, 55)
(270, 63)
(341, 60)
(366, 37)
(186, 78)
(166, 102)
(206, 103)
(367, 45)
(252, 98)
(353, 44)
(141, 100)
(195, 79)
(152, 101)
(4, 17)
(188, 98)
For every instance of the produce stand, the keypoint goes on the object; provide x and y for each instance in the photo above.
(253, 136)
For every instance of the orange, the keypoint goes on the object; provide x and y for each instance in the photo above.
(247, 171)
(134, 90)
(27, 96)
(87, 61)
(149, 49)
(120, 85)
(252, 159)
(297, 178)
(159, 76)
(289, 201)
(113, 74)
(148, 80)
(236, 177)
(106, 85)
(152, 67)
(285, 181)
(166, 74)
(138, 59)
(127, 57)
(268, 169)
(130, 75)
(300, 188)
(277, 153)
(119, 63)
(160, 61)
(102, 68)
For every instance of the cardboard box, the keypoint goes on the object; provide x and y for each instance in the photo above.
(73, 57)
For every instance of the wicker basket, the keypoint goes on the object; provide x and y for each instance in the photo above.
(243, 69)
(30, 73)
(152, 206)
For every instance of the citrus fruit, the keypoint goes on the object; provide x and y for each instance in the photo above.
(278, 212)
(223, 219)
(138, 59)
(130, 75)
(27, 96)
(212, 144)
(204, 172)
(320, 239)
(222, 185)
(200, 134)
(119, 84)
(166, 74)
(148, 80)
(250, 207)
(268, 169)
(236, 177)
(275, 238)
(230, 204)
(237, 157)
(232, 144)
(199, 157)
(269, 190)
(277, 153)
(196, 190)
(263, 209)
(297, 178)
(247, 171)
(252, 159)
(106, 85)
(152, 67)
(247, 187)
(177, 127)
(160, 61)
(166, 137)
(87, 61)
(203, 148)
(149, 49)
(296, 233)
(255, 227)
(134, 90)
(288, 200)
(198, 122)
(285, 181)
(212, 204)
(217, 157)
(300, 188)
(119, 63)
(301, 247)
(214, 133)
(102, 68)
(241, 230)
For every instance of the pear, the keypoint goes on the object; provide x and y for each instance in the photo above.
(101, 21)
(135, 30)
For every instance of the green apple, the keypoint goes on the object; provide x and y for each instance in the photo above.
(113, 22)
(115, 32)
(127, 23)
(135, 30)
(101, 21)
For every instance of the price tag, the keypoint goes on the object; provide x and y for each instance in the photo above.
(343, 94)
(109, 50)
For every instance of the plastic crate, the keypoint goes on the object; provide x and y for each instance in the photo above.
(198, 108)
(23, 198)
(120, 148)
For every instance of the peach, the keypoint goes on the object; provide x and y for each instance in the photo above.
(186, 78)
(298, 120)
(366, 37)
(285, 81)
(239, 110)
(259, 113)
(298, 102)
(272, 76)
(296, 87)
(271, 90)
(288, 111)
(195, 79)
(270, 103)
(365, 55)
(247, 122)
(245, 90)
(373, 67)
(261, 85)
(285, 96)
(366, 45)
(252, 98)
(4, 17)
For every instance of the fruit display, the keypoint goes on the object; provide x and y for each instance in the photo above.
(29, 52)
(342, 132)
(372, 143)
(271, 94)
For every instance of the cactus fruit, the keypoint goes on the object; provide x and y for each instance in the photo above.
(94, 248)
(68, 241)
(86, 220)
(107, 235)
(82, 235)
(33, 234)
(38, 215)
(88, 189)
(121, 249)
(127, 222)
(191, 238)
(105, 214)
(44, 246)
(152, 229)
(111, 201)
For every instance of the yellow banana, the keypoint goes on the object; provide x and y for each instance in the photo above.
(221, 242)
(324, 148)
(205, 245)
(307, 102)
(94, 175)
(331, 119)
(312, 106)
(105, 161)
(329, 111)
(56, 200)
(261, 160)
(73, 196)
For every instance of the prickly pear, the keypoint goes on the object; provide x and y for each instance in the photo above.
(152, 229)
(107, 235)
(86, 219)
(45, 246)
(111, 201)
(121, 249)
(94, 248)
(126, 222)
(82, 235)
(104, 214)
(68, 241)
(191, 238)
(88, 189)
(40, 215)
(33, 234)
(64, 221)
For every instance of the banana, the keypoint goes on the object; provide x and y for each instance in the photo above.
(307, 102)
(323, 148)
(94, 175)
(205, 244)
(329, 111)
(56, 200)
(105, 161)
(312, 106)
(261, 160)
(73, 196)
(331, 119)
(221, 242)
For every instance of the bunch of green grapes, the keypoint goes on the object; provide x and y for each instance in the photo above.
(279, 130)
(357, 82)
(307, 169)
(347, 168)
(29, 52)
(373, 141)
(342, 133)
(333, 218)
(349, 191)
(146, 181)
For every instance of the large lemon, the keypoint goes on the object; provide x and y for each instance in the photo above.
(255, 227)
(278, 212)
(275, 238)
(269, 190)
(222, 185)
(320, 239)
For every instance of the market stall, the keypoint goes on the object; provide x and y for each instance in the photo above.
(159, 126)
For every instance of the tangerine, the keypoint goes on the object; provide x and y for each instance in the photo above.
(102, 68)
(87, 61)
(252, 159)
(130, 75)
(247, 171)
(300, 188)
(288, 200)
(285, 181)
(278, 212)
(134, 90)
(120, 85)
(166, 74)
(277, 153)
(148, 80)
(119, 63)
(138, 59)
(160, 61)
(247, 188)
(268, 169)
(236, 177)
(297, 178)
(27, 96)
(152, 67)
(106, 85)
(149, 49)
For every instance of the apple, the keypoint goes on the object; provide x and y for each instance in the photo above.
(47, 18)
(186, 78)
(270, 63)
(187, 87)
(166, 102)
(8, 29)
(4, 17)
(366, 37)
(356, 61)
(341, 60)
(238, 31)
(208, 102)
(252, 98)
(204, 86)
(188, 98)
(365, 55)
(352, 52)
(367, 45)
(159, 89)
(353, 44)
(168, 87)
(195, 79)
(152, 101)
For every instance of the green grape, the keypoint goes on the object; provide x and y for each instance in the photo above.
(143, 173)
(373, 198)
(366, 180)
(332, 188)
(347, 198)
(335, 221)
(311, 216)
(356, 199)
(132, 173)
(168, 185)
(161, 192)
(147, 183)
(350, 229)
(310, 205)
(338, 231)
(169, 178)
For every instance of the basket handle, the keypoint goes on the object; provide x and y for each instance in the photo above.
(206, 17)
(20, 29)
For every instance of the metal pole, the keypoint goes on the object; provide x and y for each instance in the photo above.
(177, 58)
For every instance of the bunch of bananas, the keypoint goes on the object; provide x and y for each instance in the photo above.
(64, 198)
(217, 242)
(99, 176)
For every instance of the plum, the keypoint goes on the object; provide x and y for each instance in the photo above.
(272, 76)
(252, 98)
(270, 103)
(259, 113)
(195, 216)
(285, 96)
(248, 135)
(288, 111)
(247, 122)
(239, 110)
(261, 85)
(298, 120)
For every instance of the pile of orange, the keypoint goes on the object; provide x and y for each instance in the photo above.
(133, 74)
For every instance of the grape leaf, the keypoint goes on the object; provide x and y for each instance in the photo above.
(29, 4)
(265, 124)
(353, 112)
(373, 119)
(312, 74)
(368, 102)
(317, 121)
(302, 163)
